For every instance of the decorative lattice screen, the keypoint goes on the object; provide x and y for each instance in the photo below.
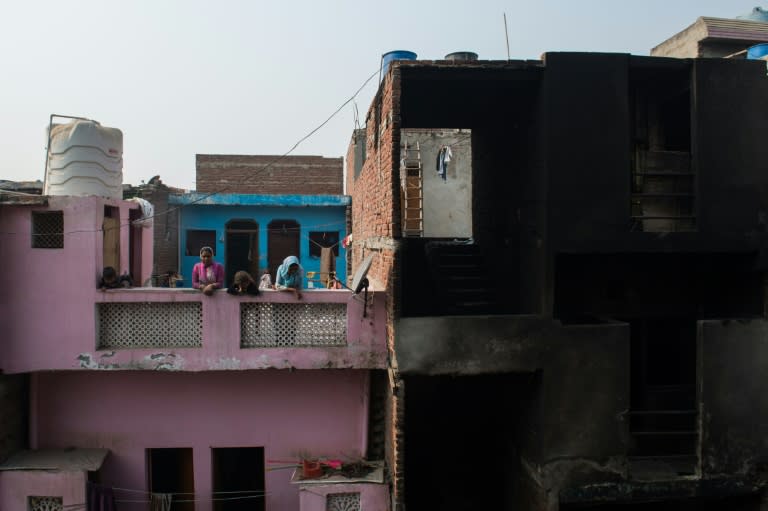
(150, 325)
(46, 504)
(342, 502)
(293, 324)
(47, 229)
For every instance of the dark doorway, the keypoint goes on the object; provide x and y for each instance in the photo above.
(443, 414)
(134, 243)
(238, 472)
(663, 415)
(242, 248)
(282, 241)
(111, 229)
(170, 471)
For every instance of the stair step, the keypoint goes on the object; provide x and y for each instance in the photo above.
(664, 433)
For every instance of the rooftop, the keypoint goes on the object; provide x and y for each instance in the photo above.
(246, 199)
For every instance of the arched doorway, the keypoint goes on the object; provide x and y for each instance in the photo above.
(242, 248)
(282, 241)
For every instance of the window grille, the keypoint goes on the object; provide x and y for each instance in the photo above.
(47, 229)
(292, 324)
(149, 325)
(342, 502)
(45, 504)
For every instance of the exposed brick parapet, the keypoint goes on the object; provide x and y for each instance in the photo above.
(269, 174)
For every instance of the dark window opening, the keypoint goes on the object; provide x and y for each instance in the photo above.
(170, 470)
(377, 414)
(663, 177)
(661, 297)
(242, 248)
(134, 246)
(320, 240)
(197, 239)
(440, 412)
(238, 472)
(445, 277)
(47, 229)
(663, 414)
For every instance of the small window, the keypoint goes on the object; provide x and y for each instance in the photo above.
(47, 229)
(318, 240)
(342, 502)
(45, 503)
(199, 239)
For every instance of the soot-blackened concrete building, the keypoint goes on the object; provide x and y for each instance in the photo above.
(595, 334)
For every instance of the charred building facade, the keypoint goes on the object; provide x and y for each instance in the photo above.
(573, 255)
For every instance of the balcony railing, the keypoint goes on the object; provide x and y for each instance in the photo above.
(149, 325)
(183, 330)
(293, 324)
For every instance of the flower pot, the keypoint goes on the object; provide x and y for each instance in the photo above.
(311, 469)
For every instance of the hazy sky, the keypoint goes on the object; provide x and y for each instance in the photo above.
(253, 77)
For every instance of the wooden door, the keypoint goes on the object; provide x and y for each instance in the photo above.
(111, 230)
(242, 248)
(282, 241)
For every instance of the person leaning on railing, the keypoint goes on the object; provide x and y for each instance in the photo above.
(207, 275)
(290, 276)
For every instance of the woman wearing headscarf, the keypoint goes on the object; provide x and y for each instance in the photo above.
(207, 275)
(290, 276)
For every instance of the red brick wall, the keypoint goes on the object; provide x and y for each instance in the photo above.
(166, 226)
(376, 229)
(349, 178)
(303, 175)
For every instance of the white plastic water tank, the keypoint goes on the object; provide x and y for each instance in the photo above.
(85, 158)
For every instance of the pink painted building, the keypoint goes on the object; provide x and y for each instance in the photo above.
(210, 402)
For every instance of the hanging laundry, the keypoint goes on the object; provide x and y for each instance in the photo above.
(327, 264)
(147, 212)
(444, 156)
(160, 502)
(99, 498)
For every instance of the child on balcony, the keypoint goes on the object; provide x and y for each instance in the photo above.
(266, 280)
(110, 280)
(207, 275)
(243, 284)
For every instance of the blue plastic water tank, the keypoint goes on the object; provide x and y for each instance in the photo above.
(757, 52)
(757, 14)
(388, 57)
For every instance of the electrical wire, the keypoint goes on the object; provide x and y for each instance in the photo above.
(245, 178)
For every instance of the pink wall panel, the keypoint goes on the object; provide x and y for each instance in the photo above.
(319, 413)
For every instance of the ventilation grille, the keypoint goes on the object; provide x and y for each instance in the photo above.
(293, 324)
(51, 504)
(150, 325)
(47, 229)
(342, 502)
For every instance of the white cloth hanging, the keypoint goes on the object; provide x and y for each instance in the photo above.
(147, 212)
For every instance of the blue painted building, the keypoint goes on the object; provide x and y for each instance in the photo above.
(254, 232)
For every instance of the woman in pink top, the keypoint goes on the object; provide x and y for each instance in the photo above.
(207, 275)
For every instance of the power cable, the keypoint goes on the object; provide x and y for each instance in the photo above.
(245, 178)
